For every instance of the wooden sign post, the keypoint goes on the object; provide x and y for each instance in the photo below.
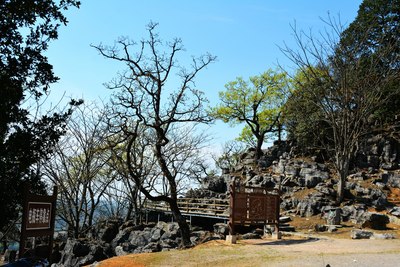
(253, 206)
(38, 219)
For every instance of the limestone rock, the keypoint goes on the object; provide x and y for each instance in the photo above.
(221, 228)
(395, 211)
(109, 232)
(333, 216)
(375, 221)
(360, 234)
(383, 236)
(251, 236)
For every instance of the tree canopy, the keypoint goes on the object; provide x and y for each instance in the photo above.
(302, 117)
(255, 103)
(26, 29)
(375, 35)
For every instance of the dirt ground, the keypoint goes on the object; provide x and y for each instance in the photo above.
(289, 251)
(303, 248)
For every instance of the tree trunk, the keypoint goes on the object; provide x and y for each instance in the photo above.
(343, 171)
(340, 189)
(129, 213)
(183, 225)
(279, 133)
(260, 142)
(76, 229)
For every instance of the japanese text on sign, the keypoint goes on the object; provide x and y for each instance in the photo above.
(39, 215)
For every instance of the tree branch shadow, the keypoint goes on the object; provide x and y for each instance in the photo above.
(283, 242)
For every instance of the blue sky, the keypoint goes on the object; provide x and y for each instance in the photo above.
(244, 35)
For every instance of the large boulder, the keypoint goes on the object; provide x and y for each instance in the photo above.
(124, 235)
(221, 229)
(163, 236)
(215, 184)
(152, 247)
(393, 179)
(109, 230)
(313, 204)
(354, 213)
(379, 151)
(326, 189)
(395, 211)
(171, 230)
(251, 236)
(80, 253)
(311, 181)
(124, 249)
(375, 221)
(361, 234)
(140, 238)
(333, 215)
(307, 207)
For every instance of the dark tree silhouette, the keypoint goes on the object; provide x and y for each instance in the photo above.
(26, 28)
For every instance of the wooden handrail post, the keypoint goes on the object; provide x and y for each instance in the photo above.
(215, 207)
(232, 206)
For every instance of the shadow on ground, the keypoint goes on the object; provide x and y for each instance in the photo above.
(284, 242)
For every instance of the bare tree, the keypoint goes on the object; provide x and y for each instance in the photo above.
(78, 168)
(344, 85)
(229, 156)
(115, 201)
(144, 163)
(145, 101)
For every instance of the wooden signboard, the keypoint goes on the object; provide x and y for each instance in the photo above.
(253, 206)
(39, 216)
(38, 219)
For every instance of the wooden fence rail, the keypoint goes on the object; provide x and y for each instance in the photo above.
(195, 206)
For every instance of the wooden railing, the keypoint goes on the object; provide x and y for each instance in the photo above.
(195, 206)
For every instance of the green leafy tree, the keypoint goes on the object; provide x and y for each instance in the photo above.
(302, 117)
(375, 32)
(256, 103)
(26, 28)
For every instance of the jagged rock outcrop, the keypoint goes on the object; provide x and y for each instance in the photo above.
(83, 252)
(363, 234)
(302, 173)
(130, 239)
(216, 184)
(309, 187)
(379, 151)
(108, 230)
(392, 178)
(204, 193)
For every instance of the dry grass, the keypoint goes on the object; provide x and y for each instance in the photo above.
(213, 253)
(289, 251)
